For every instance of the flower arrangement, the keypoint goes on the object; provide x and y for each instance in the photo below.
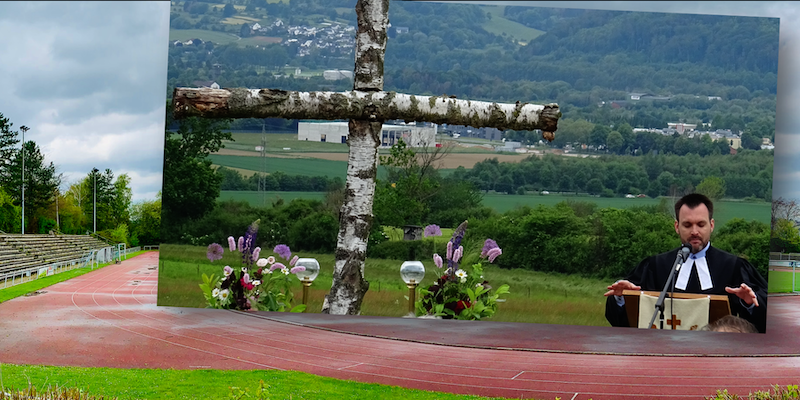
(459, 293)
(259, 284)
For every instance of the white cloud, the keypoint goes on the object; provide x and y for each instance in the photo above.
(88, 79)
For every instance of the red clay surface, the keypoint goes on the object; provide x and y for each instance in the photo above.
(109, 318)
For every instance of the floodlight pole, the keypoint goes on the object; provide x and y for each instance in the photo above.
(24, 129)
(94, 172)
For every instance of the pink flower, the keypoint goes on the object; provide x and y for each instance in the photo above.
(270, 260)
(262, 262)
(297, 269)
(437, 260)
(458, 253)
(227, 270)
(294, 260)
(494, 253)
(277, 265)
(255, 253)
(241, 244)
(246, 278)
(449, 250)
(232, 243)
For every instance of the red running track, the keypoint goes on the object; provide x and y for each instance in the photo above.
(109, 318)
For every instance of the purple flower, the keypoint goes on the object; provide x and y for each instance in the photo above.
(214, 252)
(232, 243)
(246, 278)
(241, 243)
(449, 254)
(297, 269)
(458, 253)
(276, 266)
(283, 251)
(494, 253)
(432, 230)
(488, 245)
(294, 261)
(255, 253)
(437, 260)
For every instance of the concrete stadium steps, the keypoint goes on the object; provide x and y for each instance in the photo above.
(26, 251)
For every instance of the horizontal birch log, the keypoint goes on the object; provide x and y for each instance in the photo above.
(360, 105)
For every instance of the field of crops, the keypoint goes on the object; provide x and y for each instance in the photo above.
(724, 210)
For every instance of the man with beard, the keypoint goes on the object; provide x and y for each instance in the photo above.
(707, 270)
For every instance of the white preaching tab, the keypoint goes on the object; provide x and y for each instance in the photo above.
(698, 261)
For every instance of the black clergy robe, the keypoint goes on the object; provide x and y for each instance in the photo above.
(725, 269)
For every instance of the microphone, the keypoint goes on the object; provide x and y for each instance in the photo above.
(683, 255)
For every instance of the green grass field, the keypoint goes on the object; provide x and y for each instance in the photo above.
(724, 211)
(205, 35)
(499, 25)
(781, 281)
(535, 296)
(158, 384)
(290, 166)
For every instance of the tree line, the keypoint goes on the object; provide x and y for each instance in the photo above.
(745, 175)
(49, 208)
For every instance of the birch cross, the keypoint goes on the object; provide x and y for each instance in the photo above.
(367, 106)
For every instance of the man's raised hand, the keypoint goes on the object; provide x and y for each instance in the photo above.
(745, 293)
(618, 286)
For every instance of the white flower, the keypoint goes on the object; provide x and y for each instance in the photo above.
(244, 269)
(224, 294)
(285, 271)
(267, 271)
(271, 260)
(262, 262)
(478, 285)
(463, 280)
(461, 274)
(256, 283)
(215, 292)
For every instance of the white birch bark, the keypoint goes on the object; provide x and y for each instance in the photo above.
(361, 105)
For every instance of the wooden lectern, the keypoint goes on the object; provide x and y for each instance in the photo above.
(718, 308)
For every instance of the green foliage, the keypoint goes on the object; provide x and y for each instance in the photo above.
(41, 180)
(747, 239)
(401, 249)
(146, 222)
(117, 235)
(785, 237)
(317, 231)
(10, 215)
(190, 184)
(713, 187)
(778, 392)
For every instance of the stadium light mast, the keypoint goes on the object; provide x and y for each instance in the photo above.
(94, 172)
(24, 129)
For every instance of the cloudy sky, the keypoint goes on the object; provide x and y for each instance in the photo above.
(89, 80)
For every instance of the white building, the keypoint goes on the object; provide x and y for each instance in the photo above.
(336, 132)
(336, 74)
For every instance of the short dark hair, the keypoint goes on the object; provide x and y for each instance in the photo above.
(731, 323)
(693, 200)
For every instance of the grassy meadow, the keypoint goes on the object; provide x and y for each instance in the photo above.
(781, 281)
(158, 384)
(535, 297)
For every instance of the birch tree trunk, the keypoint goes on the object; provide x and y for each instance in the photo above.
(355, 218)
(362, 105)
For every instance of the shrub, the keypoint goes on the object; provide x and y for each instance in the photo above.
(402, 250)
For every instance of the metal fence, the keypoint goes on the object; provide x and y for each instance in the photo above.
(90, 260)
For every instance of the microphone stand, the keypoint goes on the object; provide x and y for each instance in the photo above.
(683, 253)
